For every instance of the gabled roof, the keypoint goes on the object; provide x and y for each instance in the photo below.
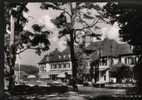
(44, 59)
(124, 49)
(67, 50)
(107, 47)
(55, 52)
(56, 56)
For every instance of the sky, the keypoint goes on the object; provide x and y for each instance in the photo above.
(43, 17)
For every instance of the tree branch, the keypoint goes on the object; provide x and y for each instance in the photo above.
(76, 12)
(65, 11)
(27, 49)
(88, 26)
(21, 51)
(101, 17)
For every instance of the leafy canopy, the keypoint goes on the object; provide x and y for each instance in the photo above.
(130, 23)
(24, 39)
(76, 17)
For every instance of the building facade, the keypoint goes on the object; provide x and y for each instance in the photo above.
(106, 53)
(56, 64)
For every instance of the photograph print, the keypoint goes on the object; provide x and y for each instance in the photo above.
(72, 50)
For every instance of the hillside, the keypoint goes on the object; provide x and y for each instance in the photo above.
(29, 69)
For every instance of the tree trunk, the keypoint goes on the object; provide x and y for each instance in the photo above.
(2, 31)
(11, 65)
(96, 74)
(92, 72)
(74, 62)
(1, 71)
(12, 58)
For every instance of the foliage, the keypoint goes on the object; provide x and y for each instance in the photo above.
(27, 90)
(130, 23)
(72, 14)
(121, 72)
(76, 21)
(82, 63)
(22, 39)
(129, 20)
(29, 69)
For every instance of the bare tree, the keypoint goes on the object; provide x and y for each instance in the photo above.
(75, 19)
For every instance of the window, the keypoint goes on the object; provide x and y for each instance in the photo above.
(51, 66)
(129, 60)
(104, 61)
(59, 57)
(125, 60)
(55, 66)
(69, 56)
(68, 65)
(42, 69)
(133, 61)
(88, 64)
(60, 66)
(105, 77)
(64, 65)
(111, 61)
(119, 59)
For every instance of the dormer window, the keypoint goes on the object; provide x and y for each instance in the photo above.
(59, 57)
(104, 61)
(69, 56)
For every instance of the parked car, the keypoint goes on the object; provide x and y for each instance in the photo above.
(100, 84)
(55, 83)
(87, 83)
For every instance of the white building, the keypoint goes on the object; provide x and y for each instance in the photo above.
(55, 63)
(107, 53)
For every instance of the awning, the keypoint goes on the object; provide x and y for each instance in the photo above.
(103, 69)
(62, 75)
(44, 76)
(31, 76)
(57, 72)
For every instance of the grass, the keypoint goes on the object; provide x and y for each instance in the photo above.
(27, 90)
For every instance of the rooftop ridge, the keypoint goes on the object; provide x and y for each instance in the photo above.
(108, 47)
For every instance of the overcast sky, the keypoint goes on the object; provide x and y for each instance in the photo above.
(38, 16)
